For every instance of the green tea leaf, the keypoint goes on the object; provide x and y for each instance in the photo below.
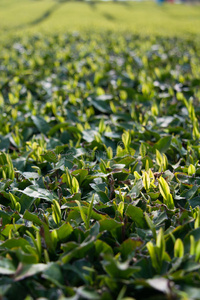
(136, 214)
(163, 144)
(50, 156)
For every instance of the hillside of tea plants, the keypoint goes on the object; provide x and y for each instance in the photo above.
(143, 17)
(99, 167)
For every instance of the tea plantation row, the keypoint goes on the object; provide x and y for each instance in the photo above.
(99, 167)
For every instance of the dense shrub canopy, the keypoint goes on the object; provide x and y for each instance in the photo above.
(99, 176)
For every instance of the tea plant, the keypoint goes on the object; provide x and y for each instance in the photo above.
(99, 168)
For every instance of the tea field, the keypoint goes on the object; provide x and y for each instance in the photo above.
(52, 16)
(99, 166)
